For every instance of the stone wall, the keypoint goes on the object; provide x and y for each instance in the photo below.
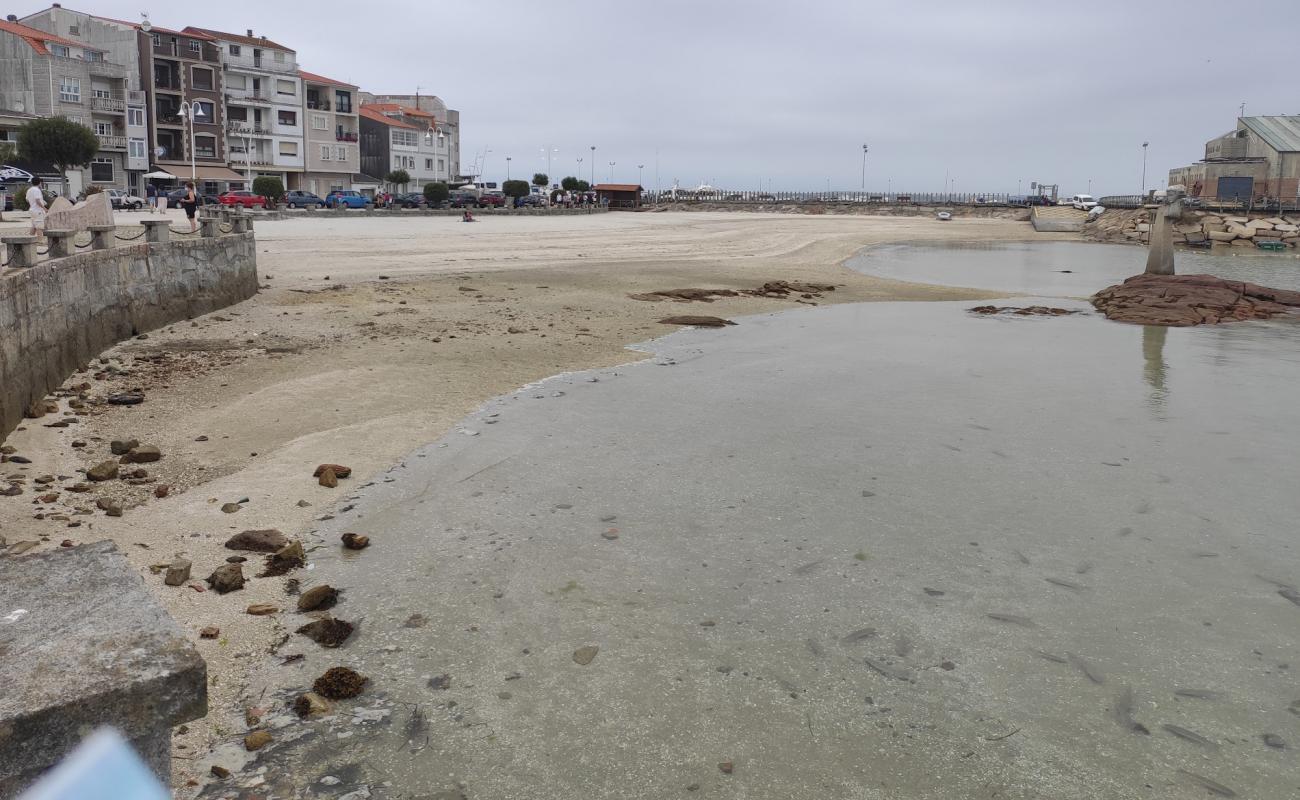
(1197, 227)
(58, 315)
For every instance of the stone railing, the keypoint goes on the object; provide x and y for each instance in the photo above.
(58, 313)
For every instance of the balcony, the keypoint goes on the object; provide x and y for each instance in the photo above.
(318, 105)
(111, 142)
(248, 129)
(166, 83)
(248, 96)
(169, 117)
(135, 98)
(345, 136)
(112, 105)
(205, 52)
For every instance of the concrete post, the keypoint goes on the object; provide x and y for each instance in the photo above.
(22, 250)
(1160, 250)
(101, 236)
(157, 230)
(60, 242)
(247, 217)
(208, 226)
(237, 223)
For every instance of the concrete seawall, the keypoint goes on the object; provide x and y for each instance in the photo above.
(56, 316)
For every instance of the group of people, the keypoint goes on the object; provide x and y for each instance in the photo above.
(569, 199)
(38, 209)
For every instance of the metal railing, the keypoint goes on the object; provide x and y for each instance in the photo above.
(244, 129)
(108, 142)
(345, 136)
(1216, 204)
(108, 104)
(258, 95)
(856, 197)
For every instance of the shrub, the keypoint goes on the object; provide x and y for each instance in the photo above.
(398, 177)
(269, 188)
(541, 179)
(437, 192)
(515, 188)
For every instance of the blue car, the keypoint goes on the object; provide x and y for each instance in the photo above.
(345, 197)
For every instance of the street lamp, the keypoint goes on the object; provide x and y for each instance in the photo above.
(549, 151)
(864, 167)
(507, 167)
(639, 167)
(1144, 168)
(579, 175)
(611, 172)
(192, 112)
(593, 164)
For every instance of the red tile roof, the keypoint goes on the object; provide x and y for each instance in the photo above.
(407, 110)
(314, 78)
(36, 38)
(252, 41)
(370, 113)
(617, 187)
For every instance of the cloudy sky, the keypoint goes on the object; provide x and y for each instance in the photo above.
(743, 93)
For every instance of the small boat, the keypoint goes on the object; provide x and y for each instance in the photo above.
(943, 216)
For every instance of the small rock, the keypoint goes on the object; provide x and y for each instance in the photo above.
(504, 695)
(220, 772)
(160, 491)
(1274, 741)
(125, 399)
(178, 572)
(584, 655)
(310, 704)
(303, 504)
(318, 597)
(287, 558)
(256, 740)
(49, 498)
(144, 454)
(440, 682)
(327, 632)
(120, 447)
(235, 559)
(610, 534)
(109, 507)
(699, 321)
(104, 471)
(328, 478)
(210, 632)
(20, 459)
(415, 621)
(339, 683)
(13, 490)
(230, 508)
(200, 438)
(262, 609)
(259, 541)
(64, 543)
(340, 471)
(227, 578)
(726, 767)
(355, 541)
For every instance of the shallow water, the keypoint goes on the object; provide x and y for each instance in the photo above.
(873, 551)
(1038, 267)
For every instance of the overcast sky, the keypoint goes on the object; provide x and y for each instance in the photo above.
(737, 93)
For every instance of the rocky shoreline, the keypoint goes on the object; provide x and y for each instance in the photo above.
(1198, 228)
(1186, 300)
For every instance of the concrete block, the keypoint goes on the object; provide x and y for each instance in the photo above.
(84, 645)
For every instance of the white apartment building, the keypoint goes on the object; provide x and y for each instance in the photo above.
(264, 107)
(333, 154)
(407, 139)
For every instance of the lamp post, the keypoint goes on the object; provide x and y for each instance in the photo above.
(192, 112)
(507, 167)
(593, 165)
(864, 167)
(1144, 168)
(639, 167)
(548, 152)
(611, 172)
(579, 175)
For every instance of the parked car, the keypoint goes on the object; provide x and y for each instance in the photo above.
(121, 198)
(462, 200)
(301, 199)
(1083, 202)
(347, 198)
(532, 200)
(244, 199)
(944, 216)
(408, 200)
(175, 196)
(493, 199)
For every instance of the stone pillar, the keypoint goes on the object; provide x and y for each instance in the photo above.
(157, 230)
(22, 250)
(1160, 249)
(88, 618)
(237, 223)
(101, 236)
(247, 217)
(60, 242)
(208, 226)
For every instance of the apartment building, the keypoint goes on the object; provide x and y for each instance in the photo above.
(263, 98)
(120, 45)
(427, 110)
(48, 75)
(395, 137)
(333, 134)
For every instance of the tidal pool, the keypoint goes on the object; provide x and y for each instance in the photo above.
(886, 550)
(1060, 269)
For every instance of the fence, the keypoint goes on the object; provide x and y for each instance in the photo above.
(1205, 203)
(905, 198)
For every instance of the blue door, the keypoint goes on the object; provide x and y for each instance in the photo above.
(1241, 189)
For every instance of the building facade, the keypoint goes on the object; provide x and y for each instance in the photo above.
(430, 110)
(51, 76)
(333, 134)
(263, 100)
(1259, 160)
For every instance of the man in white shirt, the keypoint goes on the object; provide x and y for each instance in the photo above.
(36, 207)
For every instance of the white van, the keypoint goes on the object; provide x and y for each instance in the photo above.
(1083, 202)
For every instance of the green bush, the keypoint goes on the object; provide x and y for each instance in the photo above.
(398, 177)
(437, 192)
(541, 179)
(268, 187)
(569, 183)
(515, 188)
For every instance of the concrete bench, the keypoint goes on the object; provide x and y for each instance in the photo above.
(83, 645)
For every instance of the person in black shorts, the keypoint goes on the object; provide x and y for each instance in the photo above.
(191, 205)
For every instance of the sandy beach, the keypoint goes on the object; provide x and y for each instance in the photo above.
(370, 338)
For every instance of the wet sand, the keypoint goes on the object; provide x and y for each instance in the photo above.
(366, 343)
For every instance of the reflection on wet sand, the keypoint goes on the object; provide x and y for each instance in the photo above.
(1153, 364)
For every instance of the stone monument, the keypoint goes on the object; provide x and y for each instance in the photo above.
(1160, 250)
(66, 216)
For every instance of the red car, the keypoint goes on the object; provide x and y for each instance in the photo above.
(493, 199)
(245, 199)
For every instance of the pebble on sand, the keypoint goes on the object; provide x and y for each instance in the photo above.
(355, 541)
(318, 597)
(585, 655)
(256, 740)
(226, 578)
(339, 683)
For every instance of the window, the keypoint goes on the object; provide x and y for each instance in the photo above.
(285, 88)
(342, 101)
(70, 90)
(279, 55)
(101, 170)
(319, 122)
(341, 153)
(157, 40)
(202, 78)
(195, 47)
(101, 91)
(234, 81)
(234, 49)
(203, 112)
(288, 118)
(324, 152)
(236, 113)
(60, 50)
(94, 55)
(135, 148)
(288, 148)
(405, 138)
(103, 129)
(442, 165)
(428, 164)
(205, 146)
(135, 116)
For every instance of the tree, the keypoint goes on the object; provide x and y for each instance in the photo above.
(58, 141)
(269, 188)
(541, 179)
(569, 183)
(583, 186)
(398, 177)
(437, 192)
(515, 188)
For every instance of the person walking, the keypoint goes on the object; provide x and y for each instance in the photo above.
(36, 207)
(191, 205)
(151, 194)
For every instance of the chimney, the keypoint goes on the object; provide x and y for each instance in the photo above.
(250, 33)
